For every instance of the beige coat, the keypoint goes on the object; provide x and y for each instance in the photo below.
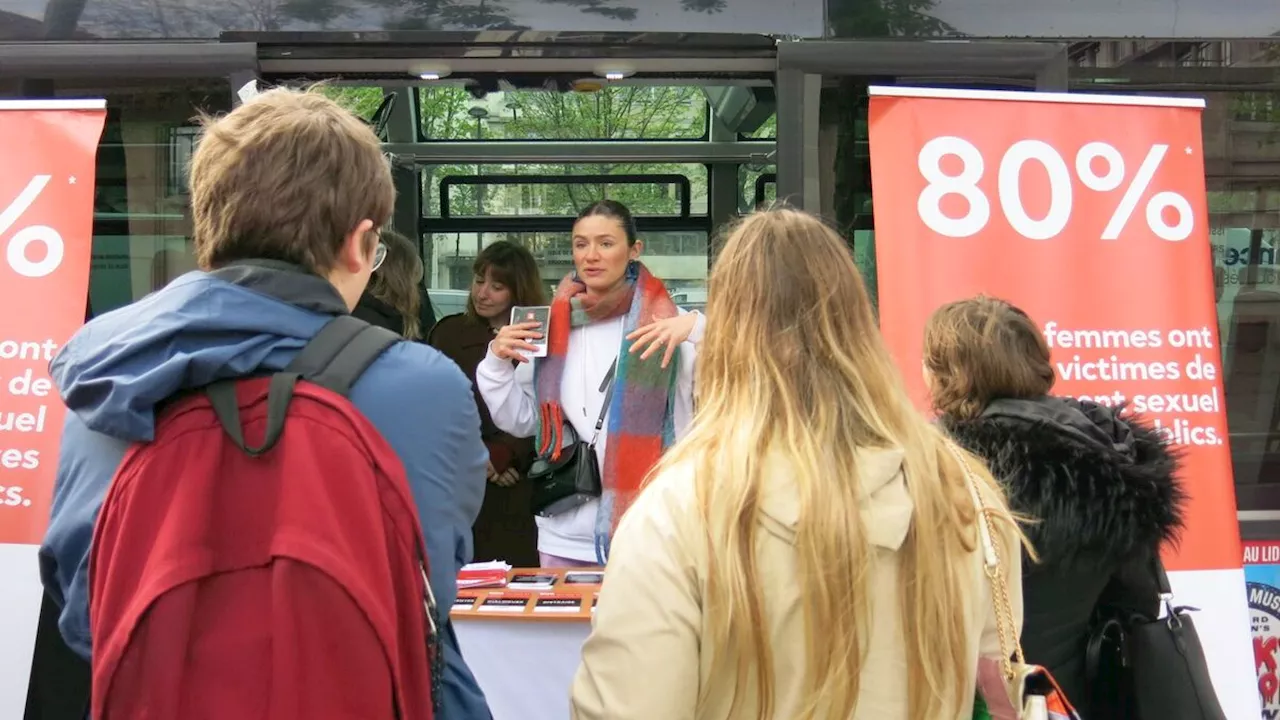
(642, 660)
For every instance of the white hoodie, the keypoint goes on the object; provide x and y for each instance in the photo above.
(509, 393)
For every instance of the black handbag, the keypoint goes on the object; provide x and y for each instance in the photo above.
(1143, 668)
(574, 478)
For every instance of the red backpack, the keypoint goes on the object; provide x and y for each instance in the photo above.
(262, 557)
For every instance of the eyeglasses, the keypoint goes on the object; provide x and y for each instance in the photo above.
(379, 255)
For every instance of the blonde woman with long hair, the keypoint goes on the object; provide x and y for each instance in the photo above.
(809, 549)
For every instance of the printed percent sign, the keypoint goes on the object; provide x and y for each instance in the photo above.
(1061, 201)
(24, 237)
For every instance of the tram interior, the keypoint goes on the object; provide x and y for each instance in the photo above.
(506, 142)
(513, 163)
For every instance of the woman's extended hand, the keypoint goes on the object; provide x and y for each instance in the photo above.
(512, 339)
(505, 479)
(670, 333)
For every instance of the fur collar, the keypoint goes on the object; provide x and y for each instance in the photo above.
(1098, 486)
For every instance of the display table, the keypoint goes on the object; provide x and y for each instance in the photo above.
(524, 645)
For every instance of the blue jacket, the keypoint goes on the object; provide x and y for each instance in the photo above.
(201, 328)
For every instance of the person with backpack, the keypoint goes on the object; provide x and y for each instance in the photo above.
(262, 503)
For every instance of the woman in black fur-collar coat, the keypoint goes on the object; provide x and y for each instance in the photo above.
(1098, 486)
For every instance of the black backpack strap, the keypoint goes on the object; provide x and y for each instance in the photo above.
(334, 359)
(340, 353)
(1161, 577)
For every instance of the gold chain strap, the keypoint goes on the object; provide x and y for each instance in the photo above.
(993, 567)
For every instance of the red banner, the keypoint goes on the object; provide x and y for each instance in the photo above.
(46, 235)
(1088, 212)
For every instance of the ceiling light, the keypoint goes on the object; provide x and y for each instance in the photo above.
(430, 71)
(614, 71)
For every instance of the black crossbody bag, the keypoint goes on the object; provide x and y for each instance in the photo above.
(574, 479)
(1144, 668)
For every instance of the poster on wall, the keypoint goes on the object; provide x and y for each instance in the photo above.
(1262, 577)
(1088, 212)
(49, 149)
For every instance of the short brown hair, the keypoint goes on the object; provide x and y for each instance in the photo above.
(984, 349)
(514, 266)
(286, 176)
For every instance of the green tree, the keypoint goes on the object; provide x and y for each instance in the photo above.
(442, 116)
(614, 113)
(626, 112)
(361, 101)
(618, 113)
(768, 130)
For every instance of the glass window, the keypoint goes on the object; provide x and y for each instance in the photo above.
(536, 189)
(1246, 243)
(488, 203)
(767, 131)
(362, 101)
(759, 187)
(539, 215)
(1050, 18)
(1242, 148)
(617, 112)
(1242, 154)
(1242, 151)
(141, 227)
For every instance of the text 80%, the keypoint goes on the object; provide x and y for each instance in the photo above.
(1061, 201)
(16, 253)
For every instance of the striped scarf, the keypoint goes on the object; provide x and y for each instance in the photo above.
(640, 413)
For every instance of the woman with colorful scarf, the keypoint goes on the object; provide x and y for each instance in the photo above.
(609, 309)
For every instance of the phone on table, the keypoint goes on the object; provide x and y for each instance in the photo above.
(535, 313)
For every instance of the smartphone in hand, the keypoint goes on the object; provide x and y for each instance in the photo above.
(536, 313)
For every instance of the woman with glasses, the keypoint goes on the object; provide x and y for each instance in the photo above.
(393, 299)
